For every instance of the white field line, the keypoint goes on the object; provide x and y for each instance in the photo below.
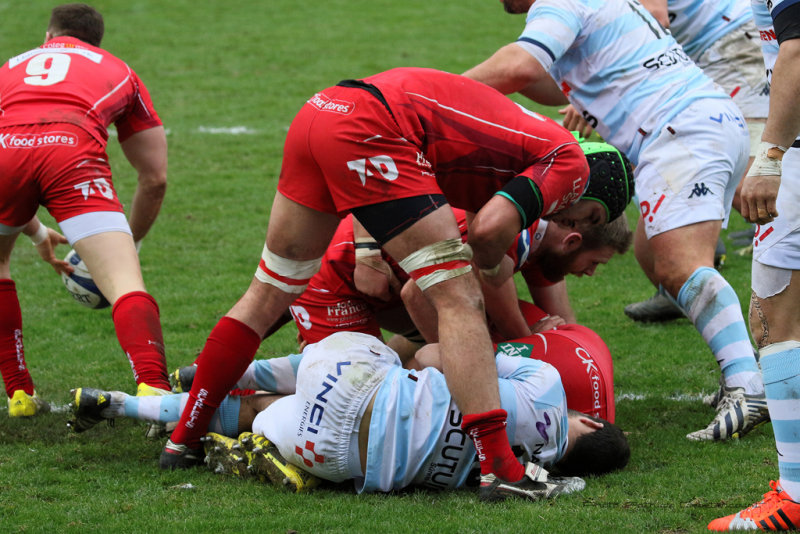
(213, 130)
(678, 398)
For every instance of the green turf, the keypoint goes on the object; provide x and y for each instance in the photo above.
(252, 65)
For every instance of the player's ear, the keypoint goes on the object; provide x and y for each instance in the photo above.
(572, 242)
(591, 423)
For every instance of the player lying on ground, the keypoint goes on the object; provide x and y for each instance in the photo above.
(343, 411)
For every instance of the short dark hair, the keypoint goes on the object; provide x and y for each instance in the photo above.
(616, 234)
(77, 20)
(596, 453)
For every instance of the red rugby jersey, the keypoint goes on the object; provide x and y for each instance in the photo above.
(69, 81)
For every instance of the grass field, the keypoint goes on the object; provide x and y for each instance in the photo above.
(227, 78)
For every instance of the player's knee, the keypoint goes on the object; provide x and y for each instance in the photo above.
(438, 262)
(290, 276)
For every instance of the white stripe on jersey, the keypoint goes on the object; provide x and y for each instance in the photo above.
(616, 65)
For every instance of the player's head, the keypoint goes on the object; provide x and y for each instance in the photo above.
(610, 178)
(580, 253)
(516, 7)
(77, 20)
(599, 449)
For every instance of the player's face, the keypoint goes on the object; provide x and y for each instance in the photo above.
(585, 262)
(555, 266)
(517, 6)
(581, 215)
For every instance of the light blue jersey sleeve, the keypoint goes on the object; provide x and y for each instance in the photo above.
(276, 375)
(532, 394)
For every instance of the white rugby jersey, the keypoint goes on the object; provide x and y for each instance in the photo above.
(415, 436)
(697, 24)
(769, 42)
(617, 66)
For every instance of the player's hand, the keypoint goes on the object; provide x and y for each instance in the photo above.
(574, 121)
(550, 322)
(46, 250)
(374, 278)
(759, 198)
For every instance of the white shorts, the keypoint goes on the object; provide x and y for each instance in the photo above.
(95, 222)
(689, 172)
(736, 64)
(317, 427)
(777, 244)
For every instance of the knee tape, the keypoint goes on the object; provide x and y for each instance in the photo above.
(290, 276)
(438, 262)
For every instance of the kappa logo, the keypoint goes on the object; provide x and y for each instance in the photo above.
(700, 190)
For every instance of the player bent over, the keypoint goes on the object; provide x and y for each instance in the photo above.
(345, 416)
(57, 102)
(395, 149)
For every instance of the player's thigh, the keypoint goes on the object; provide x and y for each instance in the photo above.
(112, 259)
(774, 304)
(679, 252)
(297, 232)
(689, 172)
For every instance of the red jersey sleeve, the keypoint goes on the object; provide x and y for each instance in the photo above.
(140, 115)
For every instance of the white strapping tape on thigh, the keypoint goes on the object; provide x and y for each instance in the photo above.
(767, 281)
(438, 262)
(290, 276)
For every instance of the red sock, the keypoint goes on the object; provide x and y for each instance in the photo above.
(12, 355)
(488, 433)
(229, 350)
(138, 326)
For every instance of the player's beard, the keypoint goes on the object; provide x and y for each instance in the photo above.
(554, 267)
(516, 6)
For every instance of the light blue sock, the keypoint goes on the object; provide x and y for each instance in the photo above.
(225, 420)
(780, 364)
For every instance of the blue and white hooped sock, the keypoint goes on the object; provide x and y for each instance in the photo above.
(780, 364)
(713, 306)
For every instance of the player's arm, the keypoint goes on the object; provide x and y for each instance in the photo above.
(421, 311)
(513, 70)
(657, 8)
(761, 185)
(147, 153)
(493, 230)
(274, 375)
(45, 240)
(502, 307)
(372, 275)
(554, 300)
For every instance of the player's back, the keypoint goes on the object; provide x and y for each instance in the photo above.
(697, 24)
(616, 64)
(473, 138)
(68, 81)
